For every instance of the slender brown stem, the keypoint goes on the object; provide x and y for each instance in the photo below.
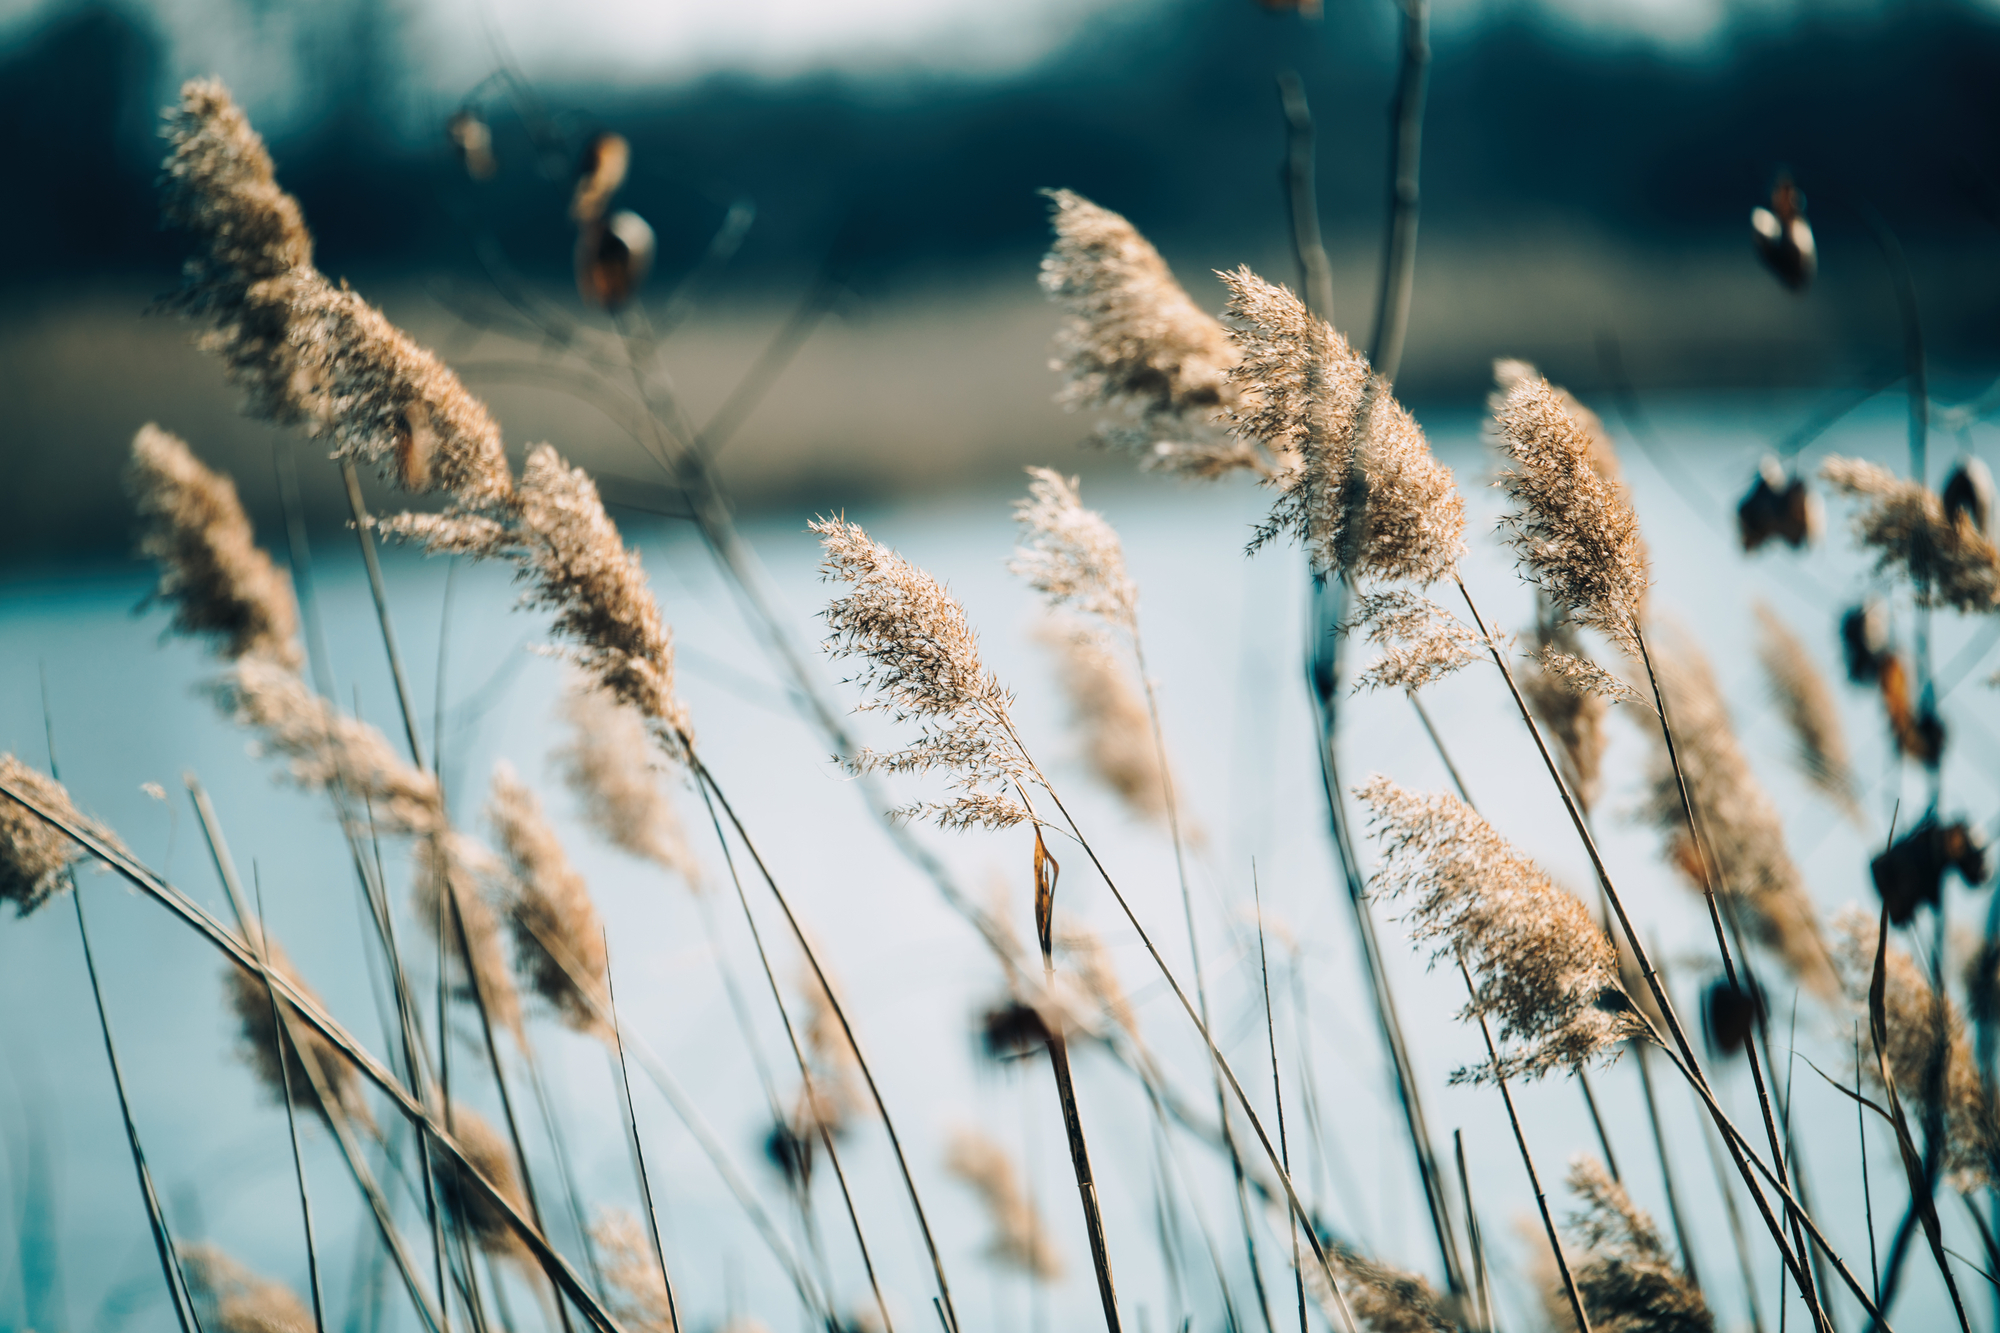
(364, 532)
(315, 1016)
(1681, 1237)
(1399, 262)
(1277, 1082)
(1527, 1158)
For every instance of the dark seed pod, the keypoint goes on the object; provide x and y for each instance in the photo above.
(790, 1152)
(1968, 491)
(1784, 240)
(1729, 1012)
(1912, 871)
(1778, 505)
(613, 258)
(1011, 1029)
(1864, 640)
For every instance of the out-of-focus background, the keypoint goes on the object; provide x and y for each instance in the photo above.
(1588, 170)
(865, 175)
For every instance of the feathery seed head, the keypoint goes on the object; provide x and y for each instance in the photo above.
(608, 764)
(1739, 823)
(558, 939)
(920, 665)
(325, 747)
(1808, 704)
(1382, 1297)
(1626, 1275)
(1929, 1053)
(34, 856)
(568, 552)
(1539, 964)
(1135, 347)
(263, 1045)
(1568, 710)
(452, 872)
(1945, 555)
(1020, 1240)
(1070, 554)
(638, 1289)
(493, 1157)
(232, 1299)
(1105, 707)
(308, 352)
(1421, 641)
(219, 581)
(1087, 956)
(1365, 496)
(1573, 529)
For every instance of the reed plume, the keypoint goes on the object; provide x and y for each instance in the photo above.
(489, 1153)
(636, 1287)
(558, 940)
(1135, 348)
(35, 859)
(569, 554)
(1090, 962)
(1756, 877)
(1107, 710)
(278, 1058)
(1421, 642)
(450, 895)
(1574, 531)
(1626, 1275)
(308, 352)
(920, 665)
(1808, 705)
(1929, 1051)
(219, 582)
(1540, 965)
(1366, 497)
(832, 1097)
(1070, 554)
(1572, 713)
(1943, 554)
(233, 1299)
(608, 764)
(1382, 1297)
(1020, 1239)
(1603, 452)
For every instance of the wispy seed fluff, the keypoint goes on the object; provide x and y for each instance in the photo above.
(233, 1299)
(1367, 497)
(1020, 1239)
(1134, 347)
(264, 1047)
(35, 859)
(1928, 1050)
(1573, 529)
(558, 939)
(920, 665)
(1946, 556)
(609, 767)
(1540, 966)
(308, 352)
(1382, 1297)
(1626, 1275)
(1070, 554)
(212, 572)
(1107, 712)
(833, 1097)
(637, 1289)
(1421, 642)
(1571, 713)
(1757, 877)
(450, 898)
(1807, 702)
(492, 1157)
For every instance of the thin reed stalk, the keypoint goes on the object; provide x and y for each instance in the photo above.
(1277, 1083)
(638, 1149)
(1681, 1237)
(314, 1016)
(819, 1121)
(292, 1131)
(1527, 1158)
